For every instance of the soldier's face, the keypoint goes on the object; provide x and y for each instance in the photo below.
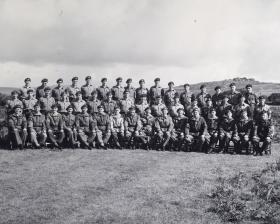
(196, 113)
(249, 89)
(70, 110)
(264, 116)
(242, 99)
(177, 100)
(117, 111)
(233, 88)
(37, 109)
(144, 100)
(229, 114)
(119, 82)
(219, 102)
(30, 94)
(104, 82)
(27, 83)
(18, 111)
(59, 84)
(110, 97)
(209, 103)
(213, 113)
(94, 96)
(47, 93)
(88, 81)
(79, 96)
(148, 112)
(218, 91)
(101, 110)
(132, 112)
(75, 82)
(158, 100)
(142, 84)
(170, 86)
(164, 112)
(15, 96)
(203, 90)
(225, 100)
(55, 109)
(244, 114)
(84, 110)
(44, 83)
(180, 113)
(157, 83)
(195, 102)
(262, 101)
(187, 88)
(128, 83)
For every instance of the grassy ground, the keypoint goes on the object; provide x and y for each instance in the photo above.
(80, 186)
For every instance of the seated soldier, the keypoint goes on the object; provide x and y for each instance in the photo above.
(109, 104)
(132, 126)
(244, 129)
(142, 90)
(13, 102)
(85, 128)
(195, 137)
(212, 138)
(54, 125)
(175, 106)
(47, 101)
(263, 133)
(164, 127)
(157, 107)
(194, 106)
(93, 104)
(146, 132)
(78, 102)
(181, 125)
(206, 110)
(140, 108)
(29, 102)
(240, 107)
(103, 128)
(262, 106)
(224, 106)
(227, 129)
(117, 128)
(64, 103)
(37, 127)
(126, 103)
(17, 128)
(69, 126)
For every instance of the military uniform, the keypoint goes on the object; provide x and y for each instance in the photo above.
(157, 109)
(86, 129)
(63, 105)
(260, 109)
(46, 104)
(17, 130)
(174, 108)
(28, 105)
(125, 104)
(216, 98)
(233, 97)
(54, 125)
(37, 129)
(140, 108)
(77, 105)
(93, 106)
(213, 133)
(164, 127)
(222, 109)
(10, 105)
(23, 91)
(40, 92)
(69, 126)
(186, 99)
(252, 101)
(102, 92)
(117, 129)
(57, 92)
(87, 90)
(239, 108)
(146, 132)
(72, 91)
(181, 127)
(131, 91)
(156, 91)
(227, 129)
(132, 126)
(139, 92)
(202, 98)
(117, 92)
(205, 111)
(103, 128)
(169, 96)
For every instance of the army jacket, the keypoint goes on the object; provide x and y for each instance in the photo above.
(102, 92)
(117, 92)
(132, 123)
(102, 122)
(57, 92)
(17, 122)
(46, 103)
(54, 121)
(227, 125)
(164, 124)
(69, 120)
(198, 126)
(93, 106)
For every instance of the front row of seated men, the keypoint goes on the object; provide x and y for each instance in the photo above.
(142, 130)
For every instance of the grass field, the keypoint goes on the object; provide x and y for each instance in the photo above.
(80, 186)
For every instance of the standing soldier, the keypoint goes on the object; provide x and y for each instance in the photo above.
(233, 96)
(29, 102)
(103, 127)
(58, 90)
(262, 106)
(17, 128)
(186, 97)
(93, 103)
(130, 89)
(118, 90)
(244, 129)
(196, 136)
(202, 96)
(103, 90)
(156, 91)
(69, 126)
(217, 97)
(73, 89)
(157, 107)
(40, 91)
(175, 106)
(37, 127)
(240, 107)
(164, 129)
(54, 125)
(87, 89)
(13, 102)
(223, 107)
(263, 132)
(78, 102)
(117, 128)
(205, 111)
(190, 109)
(23, 91)
(140, 108)
(132, 126)
(64, 103)
(109, 104)
(85, 128)
(142, 90)
(227, 130)
(126, 103)
(251, 99)
(47, 101)
(169, 95)
(212, 122)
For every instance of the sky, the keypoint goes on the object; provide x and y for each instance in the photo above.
(186, 41)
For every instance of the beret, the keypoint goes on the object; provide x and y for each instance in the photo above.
(132, 108)
(212, 109)
(17, 106)
(176, 95)
(59, 80)
(171, 83)
(94, 92)
(47, 89)
(208, 99)
(84, 106)
(164, 108)
(157, 79)
(129, 80)
(249, 85)
(141, 80)
(232, 84)
(217, 87)
(187, 84)
(158, 97)
(180, 109)
(78, 93)
(100, 106)
(195, 109)
(104, 80)
(119, 79)
(88, 77)
(55, 106)
(37, 105)
(147, 108)
(30, 90)
(109, 94)
(70, 106)
(75, 78)
(44, 80)
(262, 97)
(143, 95)
(27, 79)
(202, 86)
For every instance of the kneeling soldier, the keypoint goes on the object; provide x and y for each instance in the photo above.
(263, 132)
(195, 138)
(37, 127)
(213, 129)
(117, 128)
(17, 128)
(54, 124)
(132, 125)
(69, 121)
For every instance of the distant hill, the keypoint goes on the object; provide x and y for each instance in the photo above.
(7, 90)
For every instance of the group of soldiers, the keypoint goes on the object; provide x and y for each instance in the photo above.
(127, 117)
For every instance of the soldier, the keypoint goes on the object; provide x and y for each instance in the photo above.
(202, 96)
(64, 103)
(73, 89)
(227, 129)
(217, 97)
(58, 90)
(86, 128)
(157, 107)
(37, 127)
(186, 97)
(93, 103)
(263, 132)
(69, 126)
(29, 102)
(117, 128)
(262, 106)
(109, 104)
(130, 89)
(40, 91)
(54, 125)
(103, 127)
(142, 90)
(223, 107)
(132, 126)
(103, 90)
(17, 128)
(244, 129)
(233, 96)
(164, 127)
(212, 138)
(118, 90)
(126, 103)
(140, 108)
(169, 95)
(251, 99)
(78, 102)
(196, 135)
(240, 107)
(87, 89)
(206, 110)
(27, 86)
(156, 91)
(194, 106)
(13, 102)
(175, 106)
(47, 101)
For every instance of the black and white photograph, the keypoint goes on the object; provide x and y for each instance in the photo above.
(139, 112)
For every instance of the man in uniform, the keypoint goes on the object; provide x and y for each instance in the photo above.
(37, 127)
(156, 91)
(169, 95)
(25, 88)
(109, 104)
(206, 110)
(126, 103)
(263, 132)
(223, 107)
(141, 107)
(233, 96)
(103, 90)
(157, 107)
(29, 102)
(212, 137)
(78, 102)
(117, 128)
(54, 125)
(64, 103)
(58, 90)
(262, 106)
(194, 106)
(240, 107)
(186, 97)
(40, 91)
(175, 106)
(13, 102)
(118, 90)
(164, 128)
(69, 126)
(202, 96)
(73, 89)
(142, 90)
(251, 99)
(17, 128)
(47, 101)
(132, 126)
(93, 103)
(130, 89)
(87, 89)
(217, 97)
